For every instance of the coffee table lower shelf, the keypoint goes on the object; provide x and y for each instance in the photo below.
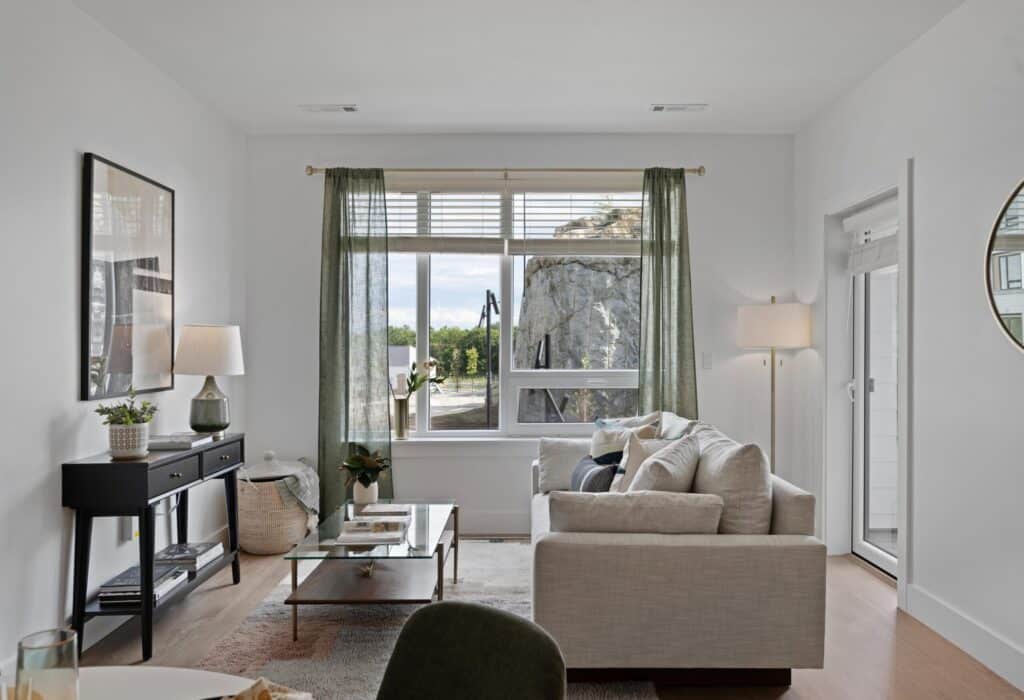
(391, 581)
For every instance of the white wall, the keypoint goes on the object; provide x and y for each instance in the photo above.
(68, 86)
(741, 243)
(953, 101)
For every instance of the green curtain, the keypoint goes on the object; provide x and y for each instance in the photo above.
(354, 389)
(668, 371)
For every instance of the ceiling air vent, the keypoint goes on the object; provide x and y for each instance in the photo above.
(329, 108)
(681, 107)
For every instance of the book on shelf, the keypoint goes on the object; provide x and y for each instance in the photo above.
(168, 583)
(385, 509)
(192, 556)
(179, 441)
(363, 532)
(129, 579)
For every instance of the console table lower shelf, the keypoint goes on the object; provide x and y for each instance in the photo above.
(375, 580)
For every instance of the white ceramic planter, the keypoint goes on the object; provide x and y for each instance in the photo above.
(364, 495)
(129, 441)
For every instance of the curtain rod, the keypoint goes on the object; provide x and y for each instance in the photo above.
(698, 171)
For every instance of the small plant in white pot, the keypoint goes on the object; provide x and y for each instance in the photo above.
(364, 469)
(129, 427)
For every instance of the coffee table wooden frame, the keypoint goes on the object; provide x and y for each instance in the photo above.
(370, 581)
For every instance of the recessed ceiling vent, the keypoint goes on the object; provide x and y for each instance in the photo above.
(329, 108)
(680, 107)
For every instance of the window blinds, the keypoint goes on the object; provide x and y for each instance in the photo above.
(872, 235)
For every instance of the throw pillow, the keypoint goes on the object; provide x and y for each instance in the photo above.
(590, 475)
(610, 440)
(556, 458)
(637, 450)
(674, 427)
(640, 511)
(671, 468)
(741, 476)
(629, 421)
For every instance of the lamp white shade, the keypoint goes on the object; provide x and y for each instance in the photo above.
(774, 326)
(209, 350)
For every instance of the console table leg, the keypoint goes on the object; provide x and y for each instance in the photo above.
(83, 539)
(439, 553)
(231, 493)
(295, 608)
(147, 547)
(455, 545)
(182, 513)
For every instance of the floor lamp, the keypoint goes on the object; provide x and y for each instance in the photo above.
(776, 327)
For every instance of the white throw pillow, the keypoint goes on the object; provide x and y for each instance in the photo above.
(673, 427)
(741, 476)
(557, 457)
(672, 468)
(629, 421)
(639, 511)
(637, 450)
(608, 440)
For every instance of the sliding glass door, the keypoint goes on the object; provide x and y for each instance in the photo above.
(876, 453)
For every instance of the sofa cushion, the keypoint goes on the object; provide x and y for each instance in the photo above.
(556, 459)
(671, 468)
(608, 441)
(637, 450)
(639, 511)
(590, 475)
(741, 476)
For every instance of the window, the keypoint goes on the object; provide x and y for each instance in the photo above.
(555, 273)
(1015, 325)
(1010, 271)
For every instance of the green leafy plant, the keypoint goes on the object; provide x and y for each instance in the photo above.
(127, 412)
(415, 380)
(364, 466)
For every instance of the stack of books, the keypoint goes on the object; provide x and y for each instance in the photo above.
(125, 589)
(179, 441)
(192, 556)
(376, 525)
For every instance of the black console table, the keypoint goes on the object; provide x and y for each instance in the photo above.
(103, 487)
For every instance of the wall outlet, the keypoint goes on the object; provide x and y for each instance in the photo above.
(705, 360)
(126, 529)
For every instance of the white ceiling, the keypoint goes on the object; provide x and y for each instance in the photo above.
(531, 65)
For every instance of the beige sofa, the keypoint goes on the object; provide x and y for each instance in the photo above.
(658, 601)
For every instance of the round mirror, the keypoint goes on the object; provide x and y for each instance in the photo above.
(1005, 265)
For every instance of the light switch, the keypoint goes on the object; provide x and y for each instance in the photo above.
(705, 360)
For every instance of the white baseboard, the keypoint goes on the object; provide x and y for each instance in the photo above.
(997, 652)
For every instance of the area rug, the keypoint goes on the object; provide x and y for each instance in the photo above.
(343, 649)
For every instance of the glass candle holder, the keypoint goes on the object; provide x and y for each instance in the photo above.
(48, 666)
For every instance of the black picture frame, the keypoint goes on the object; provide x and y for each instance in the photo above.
(138, 214)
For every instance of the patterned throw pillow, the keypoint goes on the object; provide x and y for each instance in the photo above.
(593, 475)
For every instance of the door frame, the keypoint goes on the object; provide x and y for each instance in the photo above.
(837, 462)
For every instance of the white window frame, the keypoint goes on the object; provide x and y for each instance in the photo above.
(509, 380)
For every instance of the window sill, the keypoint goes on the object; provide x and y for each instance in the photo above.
(445, 446)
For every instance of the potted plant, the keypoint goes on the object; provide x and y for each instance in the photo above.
(129, 426)
(407, 386)
(364, 469)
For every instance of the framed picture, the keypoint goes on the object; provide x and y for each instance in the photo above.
(127, 282)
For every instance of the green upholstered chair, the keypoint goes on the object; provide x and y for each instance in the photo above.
(465, 650)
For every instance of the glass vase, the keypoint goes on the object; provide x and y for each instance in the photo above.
(48, 666)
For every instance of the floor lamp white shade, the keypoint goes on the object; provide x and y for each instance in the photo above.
(773, 326)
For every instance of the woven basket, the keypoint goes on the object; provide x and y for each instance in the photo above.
(269, 522)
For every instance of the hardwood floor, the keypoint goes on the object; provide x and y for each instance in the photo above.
(872, 650)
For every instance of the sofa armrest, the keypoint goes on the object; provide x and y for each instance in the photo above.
(682, 601)
(792, 509)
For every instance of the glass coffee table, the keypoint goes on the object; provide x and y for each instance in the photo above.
(409, 572)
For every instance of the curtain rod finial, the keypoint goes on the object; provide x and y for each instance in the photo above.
(310, 170)
(701, 170)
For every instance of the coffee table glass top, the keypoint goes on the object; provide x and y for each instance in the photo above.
(427, 524)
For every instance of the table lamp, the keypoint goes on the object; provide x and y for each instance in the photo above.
(774, 326)
(211, 351)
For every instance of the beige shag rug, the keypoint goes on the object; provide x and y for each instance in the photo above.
(343, 649)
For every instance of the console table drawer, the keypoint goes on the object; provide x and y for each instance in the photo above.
(173, 476)
(218, 458)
